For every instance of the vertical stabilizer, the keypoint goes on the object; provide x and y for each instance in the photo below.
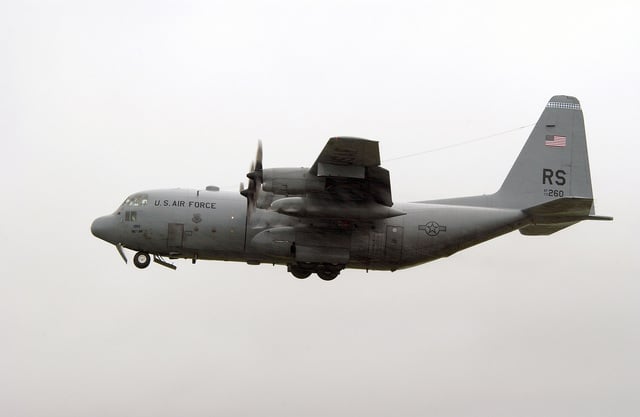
(550, 181)
(553, 163)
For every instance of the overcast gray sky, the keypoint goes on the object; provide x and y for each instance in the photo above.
(102, 99)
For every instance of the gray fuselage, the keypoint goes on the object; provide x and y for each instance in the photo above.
(217, 225)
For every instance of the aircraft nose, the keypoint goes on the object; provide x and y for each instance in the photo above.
(103, 228)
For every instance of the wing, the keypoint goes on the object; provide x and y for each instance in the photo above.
(352, 172)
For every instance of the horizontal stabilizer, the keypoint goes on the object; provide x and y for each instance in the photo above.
(558, 214)
(544, 229)
(562, 207)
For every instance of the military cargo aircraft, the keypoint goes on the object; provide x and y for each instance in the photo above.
(339, 213)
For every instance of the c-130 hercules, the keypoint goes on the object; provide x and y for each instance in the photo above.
(339, 213)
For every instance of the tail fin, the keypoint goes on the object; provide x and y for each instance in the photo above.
(550, 181)
(553, 163)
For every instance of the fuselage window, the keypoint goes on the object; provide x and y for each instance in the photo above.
(130, 216)
(136, 200)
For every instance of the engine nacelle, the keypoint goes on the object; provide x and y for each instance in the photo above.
(291, 181)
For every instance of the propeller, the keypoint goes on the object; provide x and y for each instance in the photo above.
(255, 180)
(256, 166)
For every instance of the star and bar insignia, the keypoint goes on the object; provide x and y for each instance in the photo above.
(432, 228)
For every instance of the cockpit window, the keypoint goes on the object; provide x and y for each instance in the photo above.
(136, 200)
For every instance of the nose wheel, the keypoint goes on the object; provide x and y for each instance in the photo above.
(142, 260)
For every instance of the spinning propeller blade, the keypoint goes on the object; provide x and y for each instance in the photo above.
(255, 180)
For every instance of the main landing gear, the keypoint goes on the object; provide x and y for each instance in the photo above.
(300, 273)
(326, 272)
(328, 275)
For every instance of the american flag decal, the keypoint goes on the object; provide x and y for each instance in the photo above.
(555, 140)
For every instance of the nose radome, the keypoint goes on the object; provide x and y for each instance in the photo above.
(102, 228)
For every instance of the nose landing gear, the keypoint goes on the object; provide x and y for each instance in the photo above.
(141, 260)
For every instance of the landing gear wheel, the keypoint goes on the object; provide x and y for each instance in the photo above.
(142, 260)
(300, 273)
(327, 275)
